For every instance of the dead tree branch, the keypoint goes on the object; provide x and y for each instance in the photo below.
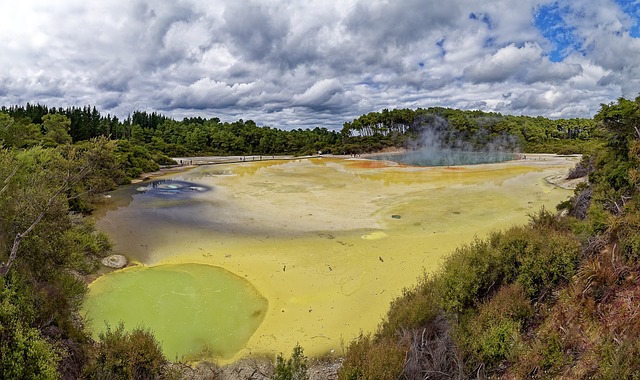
(68, 183)
(8, 180)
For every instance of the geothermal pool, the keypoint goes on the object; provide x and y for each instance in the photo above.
(210, 312)
(252, 258)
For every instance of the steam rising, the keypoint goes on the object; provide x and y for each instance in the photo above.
(440, 144)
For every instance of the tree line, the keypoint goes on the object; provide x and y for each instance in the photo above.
(30, 125)
(404, 127)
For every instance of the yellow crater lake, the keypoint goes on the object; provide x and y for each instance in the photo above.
(328, 242)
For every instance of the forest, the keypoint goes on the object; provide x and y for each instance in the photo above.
(161, 136)
(553, 298)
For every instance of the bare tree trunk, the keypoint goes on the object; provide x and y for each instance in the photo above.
(8, 180)
(68, 183)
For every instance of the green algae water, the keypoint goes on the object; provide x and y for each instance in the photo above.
(194, 310)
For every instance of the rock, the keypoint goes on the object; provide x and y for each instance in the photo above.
(256, 369)
(115, 261)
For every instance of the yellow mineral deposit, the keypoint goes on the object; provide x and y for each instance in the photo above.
(328, 242)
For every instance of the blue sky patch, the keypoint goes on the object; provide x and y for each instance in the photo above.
(550, 22)
(482, 17)
(440, 44)
(632, 8)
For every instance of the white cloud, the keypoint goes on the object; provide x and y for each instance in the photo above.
(504, 64)
(295, 64)
(320, 93)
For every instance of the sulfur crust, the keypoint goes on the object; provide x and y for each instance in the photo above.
(318, 240)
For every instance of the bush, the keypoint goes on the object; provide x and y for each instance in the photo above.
(135, 159)
(368, 359)
(162, 159)
(472, 272)
(432, 352)
(626, 230)
(487, 286)
(549, 258)
(415, 308)
(621, 360)
(493, 333)
(24, 352)
(553, 355)
(294, 368)
(498, 341)
(127, 355)
(582, 168)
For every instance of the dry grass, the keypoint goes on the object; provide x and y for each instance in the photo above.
(432, 353)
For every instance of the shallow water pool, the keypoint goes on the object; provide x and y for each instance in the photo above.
(194, 310)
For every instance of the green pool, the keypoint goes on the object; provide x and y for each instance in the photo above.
(194, 310)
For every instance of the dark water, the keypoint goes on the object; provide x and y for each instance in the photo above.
(172, 187)
(446, 157)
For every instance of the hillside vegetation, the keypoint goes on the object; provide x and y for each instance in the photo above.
(554, 297)
(158, 136)
(557, 298)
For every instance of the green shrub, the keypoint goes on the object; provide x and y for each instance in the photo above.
(85, 246)
(598, 219)
(551, 257)
(626, 229)
(373, 359)
(544, 219)
(472, 272)
(294, 368)
(24, 353)
(553, 356)
(498, 341)
(127, 355)
(162, 159)
(620, 360)
(493, 333)
(134, 159)
(488, 285)
(415, 308)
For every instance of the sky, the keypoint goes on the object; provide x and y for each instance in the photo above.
(318, 63)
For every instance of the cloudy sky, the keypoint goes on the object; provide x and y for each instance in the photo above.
(307, 63)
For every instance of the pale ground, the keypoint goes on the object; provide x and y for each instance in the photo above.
(329, 242)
